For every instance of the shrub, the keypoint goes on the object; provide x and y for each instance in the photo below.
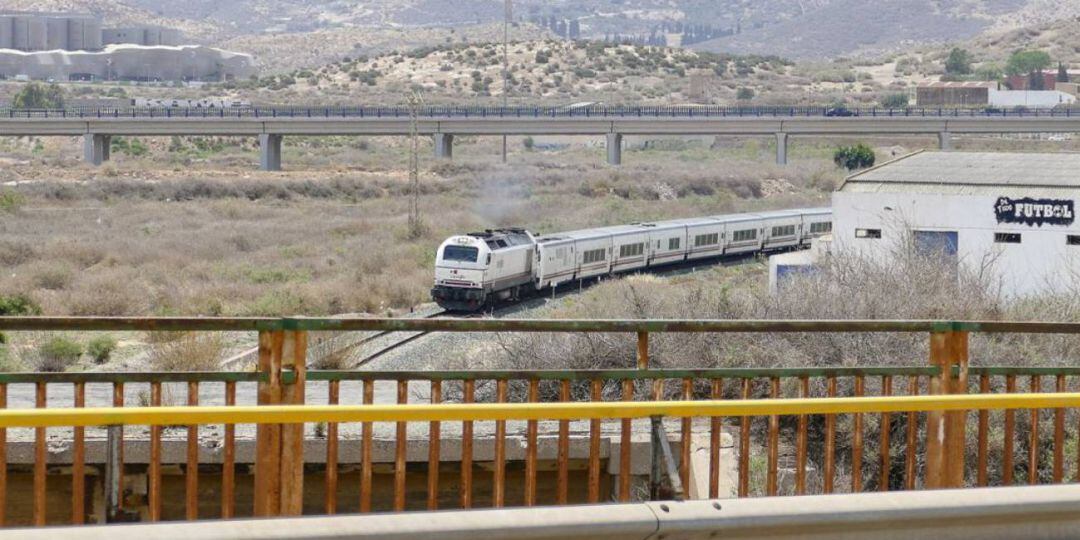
(56, 354)
(529, 143)
(859, 156)
(101, 348)
(10, 201)
(18, 304)
(187, 351)
(744, 94)
(895, 101)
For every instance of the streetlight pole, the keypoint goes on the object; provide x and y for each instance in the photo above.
(507, 15)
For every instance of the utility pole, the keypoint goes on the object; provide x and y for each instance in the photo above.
(416, 224)
(508, 14)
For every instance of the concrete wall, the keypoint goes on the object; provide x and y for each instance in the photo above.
(1041, 262)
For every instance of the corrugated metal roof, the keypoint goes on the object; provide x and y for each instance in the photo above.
(970, 173)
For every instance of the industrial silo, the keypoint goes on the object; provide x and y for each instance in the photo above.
(20, 33)
(92, 34)
(75, 31)
(171, 37)
(29, 34)
(56, 33)
(7, 27)
(152, 36)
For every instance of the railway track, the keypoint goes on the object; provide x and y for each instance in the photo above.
(383, 342)
(394, 342)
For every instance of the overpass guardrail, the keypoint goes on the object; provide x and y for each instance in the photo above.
(535, 112)
(796, 430)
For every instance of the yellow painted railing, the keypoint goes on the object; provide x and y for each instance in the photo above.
(297, 414)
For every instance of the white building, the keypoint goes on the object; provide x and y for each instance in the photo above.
(1016, 211)
(1032, 99)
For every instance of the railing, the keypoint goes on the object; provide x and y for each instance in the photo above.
(779, 450)
(535, 112)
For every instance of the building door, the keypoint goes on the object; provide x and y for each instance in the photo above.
(942, 245)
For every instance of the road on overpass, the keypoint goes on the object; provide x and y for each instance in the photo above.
(270, 125)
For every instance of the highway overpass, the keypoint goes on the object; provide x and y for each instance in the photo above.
(270, 125)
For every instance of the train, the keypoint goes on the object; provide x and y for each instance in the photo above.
(476, 270)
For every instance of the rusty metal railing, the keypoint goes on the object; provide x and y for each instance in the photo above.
(773, 455)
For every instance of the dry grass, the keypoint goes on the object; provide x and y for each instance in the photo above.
(238, 242)
(186, 351)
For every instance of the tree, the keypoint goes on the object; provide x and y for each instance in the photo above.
(1063, 73)
(859, 156)
(958, 63)
(1021, 62)
(989, 72)
(36, 95)
(896, 100)
(744, 94)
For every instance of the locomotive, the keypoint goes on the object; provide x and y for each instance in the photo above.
(475, 270)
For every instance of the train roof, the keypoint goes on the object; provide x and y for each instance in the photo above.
(586, 234)
(503, 238)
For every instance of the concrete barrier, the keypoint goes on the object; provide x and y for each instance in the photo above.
(1041, 512)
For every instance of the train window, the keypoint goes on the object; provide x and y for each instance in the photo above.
(706, 239)
(821, 227)
(1072, 240)
(460, 253)
(1006, 238)
(868, 233)
(673, 243)
(591, 256)
(744, 236)
(631, 250)
(785, 230)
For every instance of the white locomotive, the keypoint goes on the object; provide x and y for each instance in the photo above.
(474, 270)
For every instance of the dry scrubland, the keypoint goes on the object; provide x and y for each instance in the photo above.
(137, 238)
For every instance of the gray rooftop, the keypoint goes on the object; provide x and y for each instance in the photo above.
(969, 173)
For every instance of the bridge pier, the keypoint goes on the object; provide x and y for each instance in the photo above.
(781, 148)
(614, 148)
(96, 148)
(270, 152)
(944, 139)
(444, 145)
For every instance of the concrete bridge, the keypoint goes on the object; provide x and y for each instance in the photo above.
(271, 125)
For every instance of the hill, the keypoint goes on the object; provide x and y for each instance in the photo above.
(543, 71)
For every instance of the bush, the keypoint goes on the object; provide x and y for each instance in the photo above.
(187, 351)
(56, 354)
(36, 95)
(10, 201)
(744, 94)
(859, 156)
(529, 143)
(101, 348)
(18, 304)
(895, 101)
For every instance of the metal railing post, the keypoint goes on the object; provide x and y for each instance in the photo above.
(279, 460)
(945, 441)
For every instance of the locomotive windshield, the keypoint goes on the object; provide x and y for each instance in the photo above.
(460, 253)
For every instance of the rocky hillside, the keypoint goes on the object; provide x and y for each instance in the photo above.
(546, 71)
(285, 52)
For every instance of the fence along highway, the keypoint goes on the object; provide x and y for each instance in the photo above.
(270, 124)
